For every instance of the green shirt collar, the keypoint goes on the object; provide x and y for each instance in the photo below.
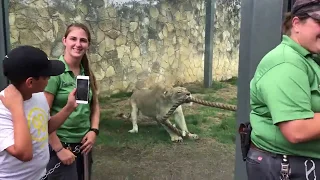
(61, 58)
(297, 47)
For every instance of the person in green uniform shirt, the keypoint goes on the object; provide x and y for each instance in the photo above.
(82, 126)
(285, 102)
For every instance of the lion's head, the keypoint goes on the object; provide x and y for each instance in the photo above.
(176, 93)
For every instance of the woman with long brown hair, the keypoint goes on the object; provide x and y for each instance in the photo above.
(82, 127)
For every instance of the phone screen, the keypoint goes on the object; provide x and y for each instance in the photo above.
(82, 89)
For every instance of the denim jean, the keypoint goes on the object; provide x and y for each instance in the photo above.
(266, 166)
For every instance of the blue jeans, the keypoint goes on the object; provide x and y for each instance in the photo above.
(262, 165)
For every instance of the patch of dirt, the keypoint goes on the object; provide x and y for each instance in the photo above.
(202, 160)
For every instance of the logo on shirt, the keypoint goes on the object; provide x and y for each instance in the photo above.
(38, 124)
(67, 84)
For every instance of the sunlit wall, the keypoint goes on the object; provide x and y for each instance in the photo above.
(135, 43)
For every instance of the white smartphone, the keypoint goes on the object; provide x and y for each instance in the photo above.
(82, 92)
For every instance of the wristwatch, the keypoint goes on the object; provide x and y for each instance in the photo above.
(95, 130)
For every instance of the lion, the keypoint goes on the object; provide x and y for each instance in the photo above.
(155, 103)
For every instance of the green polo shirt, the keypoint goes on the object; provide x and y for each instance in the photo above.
(78, 123)
(285, 87)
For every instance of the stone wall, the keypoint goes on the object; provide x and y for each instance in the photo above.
(134, 44)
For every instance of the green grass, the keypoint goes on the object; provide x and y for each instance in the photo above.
(232, 81)
(114, 132)
(199, 87)
(225, 131)
(206, 121)
(114, 97)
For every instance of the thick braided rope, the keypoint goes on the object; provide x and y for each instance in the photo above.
(213, 104)
(169, 113)
(191, 99)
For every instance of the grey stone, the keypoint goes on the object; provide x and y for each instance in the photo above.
(113, 34)
(135, 46)
(57, 50)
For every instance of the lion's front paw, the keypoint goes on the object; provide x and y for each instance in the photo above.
(176, 139)
(193, 136)
(133, 131)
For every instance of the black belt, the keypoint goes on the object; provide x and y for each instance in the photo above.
(253, 146)
(70, 146)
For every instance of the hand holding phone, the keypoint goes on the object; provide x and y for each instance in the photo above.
(72, 104)
(82, 92)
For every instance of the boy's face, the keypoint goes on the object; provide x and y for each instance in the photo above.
(37, 85)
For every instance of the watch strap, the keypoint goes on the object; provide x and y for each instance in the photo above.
(95, 130)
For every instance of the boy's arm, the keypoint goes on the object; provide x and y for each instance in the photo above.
(65, 156)
(58, 119)
(50, 91)
(15, 135)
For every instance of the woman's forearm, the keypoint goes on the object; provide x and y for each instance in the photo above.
(95, 115)
(303, 130)
(55, 141)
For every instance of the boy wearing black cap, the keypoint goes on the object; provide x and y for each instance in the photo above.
(25, 120)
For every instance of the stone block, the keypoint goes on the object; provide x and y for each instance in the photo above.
(135, 46)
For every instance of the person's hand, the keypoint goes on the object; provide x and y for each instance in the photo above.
(71, 104)
(12, 98)
(66, 156)
(88, 141)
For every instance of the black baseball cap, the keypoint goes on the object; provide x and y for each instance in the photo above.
(310, 7)
(28, 61)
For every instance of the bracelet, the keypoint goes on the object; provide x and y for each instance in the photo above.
(59, 149)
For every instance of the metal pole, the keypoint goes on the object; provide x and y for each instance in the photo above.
(210, 12)
(4, 38)
(260, 32)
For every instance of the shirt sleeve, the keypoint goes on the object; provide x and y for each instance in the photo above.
(6, 129)
(286, 91)
(53, 85)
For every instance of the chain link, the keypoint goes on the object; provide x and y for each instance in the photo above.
(76, 150)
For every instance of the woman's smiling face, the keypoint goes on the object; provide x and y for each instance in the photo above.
(76, 42)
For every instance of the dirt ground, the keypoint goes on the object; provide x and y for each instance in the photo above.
(204, 159)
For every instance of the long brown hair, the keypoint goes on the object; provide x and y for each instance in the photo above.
(85, 62)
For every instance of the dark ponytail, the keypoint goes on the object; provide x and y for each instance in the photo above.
(87, 71)
(287, 24)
